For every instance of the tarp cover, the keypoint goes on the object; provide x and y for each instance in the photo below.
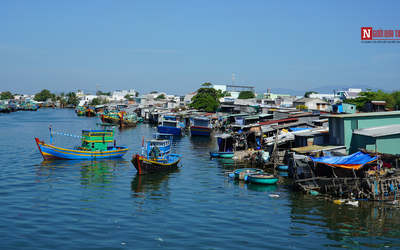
(356, 160)
(299, 129)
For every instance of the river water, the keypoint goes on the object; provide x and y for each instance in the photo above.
(106, 205)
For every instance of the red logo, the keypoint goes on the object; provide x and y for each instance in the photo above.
(366, 33)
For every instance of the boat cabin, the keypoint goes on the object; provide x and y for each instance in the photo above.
(97, 140)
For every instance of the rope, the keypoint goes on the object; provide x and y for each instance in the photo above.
(78, 136)
(30, 153)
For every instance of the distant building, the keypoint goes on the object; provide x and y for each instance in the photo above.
(312, 103)
(85, 100)
(348, 93)
(375, 106)
(234, 90)
(119, 95)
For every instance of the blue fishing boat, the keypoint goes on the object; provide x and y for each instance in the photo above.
(201, 126)
(171, 125)
(156, 155)
(267, 179)
(94, 145)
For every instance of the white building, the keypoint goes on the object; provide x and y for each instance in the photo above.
(86, 99)
(119, 95)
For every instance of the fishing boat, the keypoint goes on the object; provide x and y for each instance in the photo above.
(122, 119)
(268, 179)
(94, 145)
(89, 112)
(80, 110)
(220, 154)
(243, 173)
(202, 126)
(171, 125)
(156, 155)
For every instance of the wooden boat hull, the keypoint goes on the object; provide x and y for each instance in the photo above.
(200, 131)
(50, 152)
(222, 154)
(266, 179)
(148, 166)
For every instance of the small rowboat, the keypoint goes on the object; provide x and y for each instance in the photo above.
(221, 154)
(243, 173)
(263, 179)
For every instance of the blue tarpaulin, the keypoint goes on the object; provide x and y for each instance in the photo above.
(298, 129)
(356, 160)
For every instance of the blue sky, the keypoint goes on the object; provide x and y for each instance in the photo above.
(175, 46)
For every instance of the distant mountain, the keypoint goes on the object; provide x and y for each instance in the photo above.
(328, 89)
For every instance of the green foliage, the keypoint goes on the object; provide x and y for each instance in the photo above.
(223, 94)
(43, 95)
(206, 84)
(137, 94)
(153, 92)
(396, 98)
(162, 96)
(366, 96)
(128, 97)
(301, 107)
(205, 100)
(246, 95)
(102, 93)
(6, 95)
(308, 93)
(95, 101)
(72, 98)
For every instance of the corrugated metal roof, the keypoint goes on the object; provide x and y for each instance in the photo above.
(379, 131)
(361, 114)
(277, 121)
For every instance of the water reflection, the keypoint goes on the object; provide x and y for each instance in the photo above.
(93, 174)
(153, 189)
(369, 224)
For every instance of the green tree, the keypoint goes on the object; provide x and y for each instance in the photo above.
(128, 97)
(367, 96)
(308, 93)
(95, 101)
(223, 94)
(6, 95)
(396, 97)
(246, 95)
(103, 93)
(206, 99)
(72, 99)
(137, 94)
(162, 96)
(43, 95)
(206, 84)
